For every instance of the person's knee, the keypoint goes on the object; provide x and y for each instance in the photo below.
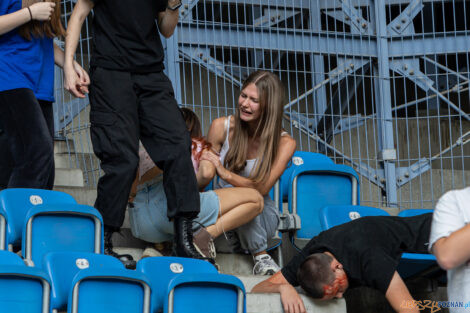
(257, 199)
(124, 167)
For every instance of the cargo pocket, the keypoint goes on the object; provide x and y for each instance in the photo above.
(103, 133)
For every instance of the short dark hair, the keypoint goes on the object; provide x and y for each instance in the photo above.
(314, 273)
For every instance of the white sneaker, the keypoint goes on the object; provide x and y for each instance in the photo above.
(150, 252)
(265, 265)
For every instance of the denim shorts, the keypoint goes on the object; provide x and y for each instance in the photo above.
(148, 217)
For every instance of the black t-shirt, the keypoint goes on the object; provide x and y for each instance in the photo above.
(369, 248)
(125, 35)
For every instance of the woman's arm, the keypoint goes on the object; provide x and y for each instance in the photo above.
(40, 11)
(72, 81)
(285, 151)
(59, 60)
(205, 173)
(216, 135)
(149, 175)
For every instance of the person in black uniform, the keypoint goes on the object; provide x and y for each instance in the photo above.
(363, 252)
(131, 99)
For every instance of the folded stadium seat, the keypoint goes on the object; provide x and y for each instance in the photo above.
(331, 216)
(314, 185)
(279, 193)
(61, 227)
(22, 289)
(414, 264)
(299, 158)
(188, 285)
(62, 267)
(414, 212)
(15, 203)
(109, 290)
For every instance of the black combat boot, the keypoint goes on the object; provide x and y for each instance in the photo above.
(183, 239)
(126, 259)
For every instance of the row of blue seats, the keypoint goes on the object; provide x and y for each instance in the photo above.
(43, 221)
(62, 242)
(98, 283)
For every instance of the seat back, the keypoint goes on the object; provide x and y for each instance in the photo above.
(22, 289)
(190, 292)
(414, 263)
(62, 267)
(414, 212)
(316, 185)
(331, 216)
(16, 202)
(109, 290)
(60, 227)
(161, 270)
(299, 158)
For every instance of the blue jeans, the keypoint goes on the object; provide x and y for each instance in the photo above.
(148, 217)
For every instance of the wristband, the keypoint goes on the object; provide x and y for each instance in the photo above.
(30, 14)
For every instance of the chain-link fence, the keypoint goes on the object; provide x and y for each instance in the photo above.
(379, 85)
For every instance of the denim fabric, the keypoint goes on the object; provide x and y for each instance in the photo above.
(148, 217)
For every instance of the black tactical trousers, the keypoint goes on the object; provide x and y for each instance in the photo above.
(126, 107)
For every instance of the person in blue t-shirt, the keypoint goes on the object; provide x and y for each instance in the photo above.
(27, 57)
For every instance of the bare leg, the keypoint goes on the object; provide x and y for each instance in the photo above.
(238, 206)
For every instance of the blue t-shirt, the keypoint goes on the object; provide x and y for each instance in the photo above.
(23, 63)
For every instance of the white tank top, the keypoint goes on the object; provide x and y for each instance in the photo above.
(250, 164)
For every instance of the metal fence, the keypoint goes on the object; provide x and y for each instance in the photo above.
(379, 85)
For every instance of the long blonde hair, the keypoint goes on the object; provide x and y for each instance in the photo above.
(51, 29)
(269, 128)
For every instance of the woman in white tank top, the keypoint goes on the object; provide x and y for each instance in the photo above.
(253, 152)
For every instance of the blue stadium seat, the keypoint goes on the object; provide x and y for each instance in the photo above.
(62, 267)
(413, 212)
(22, 289)
(331, 216)
(15, 203)
(299, 158)
(414, 263)
(279, 193)
(59, 227)
(314, 185)
(190, 293)
(185, 285)
(109, 290)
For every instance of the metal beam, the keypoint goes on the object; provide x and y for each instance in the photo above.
(324, 4)
(305, 41)
(429, 44)
(201, 35)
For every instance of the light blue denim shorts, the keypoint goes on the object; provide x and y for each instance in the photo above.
(149, 220)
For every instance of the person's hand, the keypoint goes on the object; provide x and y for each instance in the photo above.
(72, 82)
(42, 11)
(291, 301)
(83, 77)
(215, 160)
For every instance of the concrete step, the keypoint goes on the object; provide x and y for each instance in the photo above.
(63, 146)
(68, 177)
(235, 264)
(83, 195)
(271, 303)
(84, 161)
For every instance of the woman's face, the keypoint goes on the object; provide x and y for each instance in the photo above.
(248, 104)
